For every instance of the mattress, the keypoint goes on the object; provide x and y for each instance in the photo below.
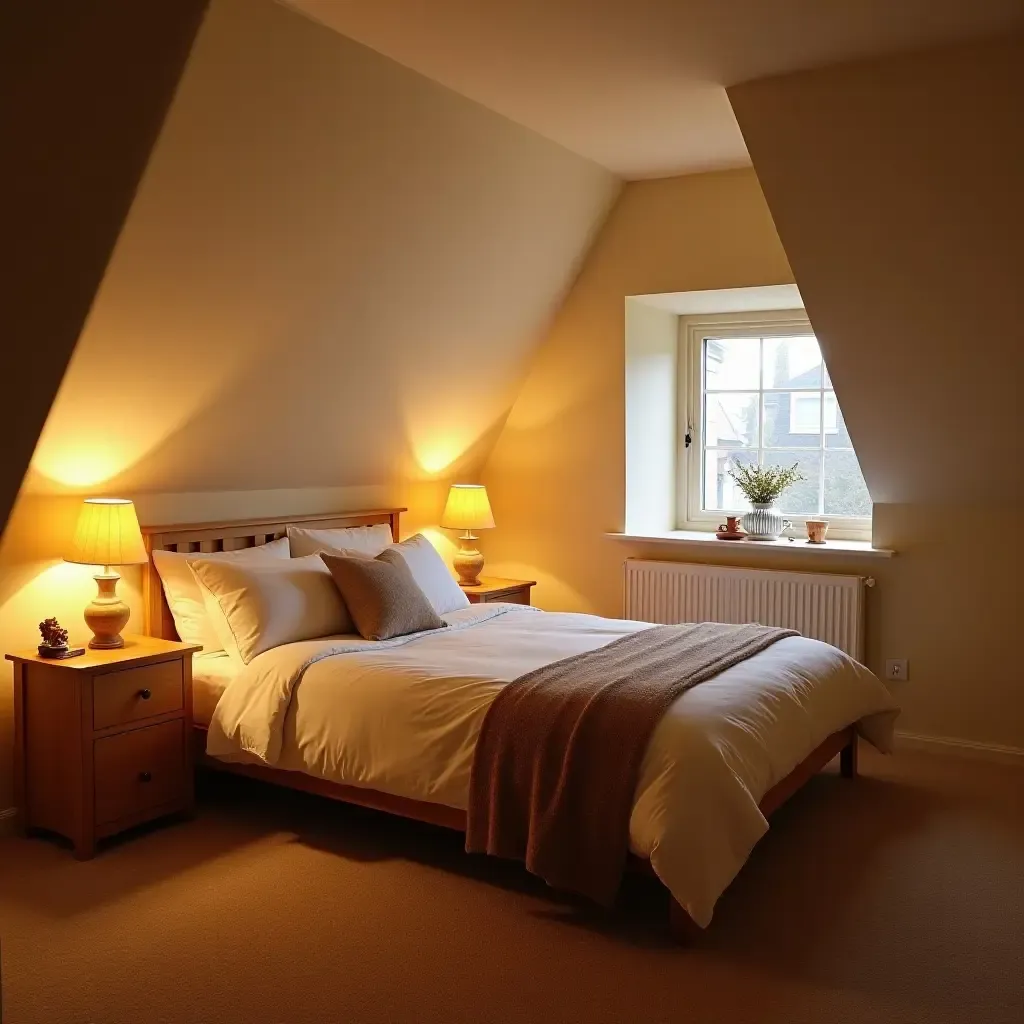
(211, 674)
(402, 717)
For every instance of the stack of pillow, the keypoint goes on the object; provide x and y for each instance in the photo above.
(310, 584)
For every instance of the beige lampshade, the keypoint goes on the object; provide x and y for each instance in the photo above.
(467, 508)
(107, 534)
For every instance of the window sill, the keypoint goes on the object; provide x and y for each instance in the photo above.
(700, 539)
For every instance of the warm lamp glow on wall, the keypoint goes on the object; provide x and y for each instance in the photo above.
(107, 534)
(468, 509)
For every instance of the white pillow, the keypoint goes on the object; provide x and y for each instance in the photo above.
(257, 607)
(431, 574)
(184, 597)
(366, 540)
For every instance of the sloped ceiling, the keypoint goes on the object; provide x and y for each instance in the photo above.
(333, 273)
(76, 142)
(637, 85)
(895, 186)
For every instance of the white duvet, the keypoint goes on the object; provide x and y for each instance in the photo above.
(403, 716)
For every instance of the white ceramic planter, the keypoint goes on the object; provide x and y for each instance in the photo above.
(764, 523)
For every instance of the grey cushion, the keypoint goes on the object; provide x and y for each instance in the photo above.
(381, 595)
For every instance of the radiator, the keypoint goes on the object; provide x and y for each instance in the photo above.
(820, 605)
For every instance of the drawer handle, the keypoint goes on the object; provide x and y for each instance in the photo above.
(145, 694)
(145, 777)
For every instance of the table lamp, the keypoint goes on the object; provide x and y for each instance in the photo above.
(107, 534)
(468, 509)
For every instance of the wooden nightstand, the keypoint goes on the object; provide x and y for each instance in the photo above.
(102, 740)
(493, 588)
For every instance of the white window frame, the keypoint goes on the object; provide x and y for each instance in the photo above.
(692, 332)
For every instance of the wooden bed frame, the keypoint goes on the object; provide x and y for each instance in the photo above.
(230, 536)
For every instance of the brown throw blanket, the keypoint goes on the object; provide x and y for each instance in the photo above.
(557, 764)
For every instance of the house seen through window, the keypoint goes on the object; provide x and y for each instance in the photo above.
(766, 397)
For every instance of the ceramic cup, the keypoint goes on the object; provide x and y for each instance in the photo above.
(816, 530)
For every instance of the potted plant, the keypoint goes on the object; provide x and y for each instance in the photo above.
(762, 486)
(55, 639)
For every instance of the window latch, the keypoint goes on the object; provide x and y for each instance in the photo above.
(688, 436)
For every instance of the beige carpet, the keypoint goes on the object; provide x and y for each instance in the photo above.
(898, 897)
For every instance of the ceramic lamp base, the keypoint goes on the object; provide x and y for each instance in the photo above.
(107, 615)
(469, 563)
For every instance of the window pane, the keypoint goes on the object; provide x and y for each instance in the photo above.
(720, 490)
(801, 498)
(839, 437)
(792, 362)
(792, 419)
(730, 420)
(831, 413)
(846, 494)
(732, 364)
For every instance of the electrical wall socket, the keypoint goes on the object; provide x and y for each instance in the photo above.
(897, 669)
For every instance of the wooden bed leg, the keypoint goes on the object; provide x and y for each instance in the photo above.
(683, 928)
(848, 759)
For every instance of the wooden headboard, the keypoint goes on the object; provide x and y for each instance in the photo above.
(230, 536)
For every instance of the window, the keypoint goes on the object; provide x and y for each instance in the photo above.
(757, 391)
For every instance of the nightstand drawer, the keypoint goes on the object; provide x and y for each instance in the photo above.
(139, 771)
(509, 597)
(120, 698)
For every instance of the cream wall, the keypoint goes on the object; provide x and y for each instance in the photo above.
(896, 188)
(323, 297)
(651, 378)
(557, 473)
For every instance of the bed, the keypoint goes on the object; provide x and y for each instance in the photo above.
(393, 726)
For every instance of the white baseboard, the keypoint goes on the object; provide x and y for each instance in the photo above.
(7, 820)
(960, 748)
